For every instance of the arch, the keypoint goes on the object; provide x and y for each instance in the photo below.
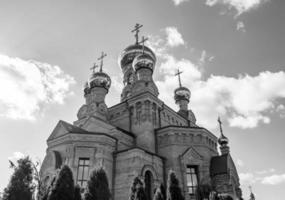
(149, 184)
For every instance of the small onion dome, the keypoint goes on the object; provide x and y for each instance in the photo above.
(182, 93)
(143, 61)
(100, 79)
(223, 140)
(132, 51)
(86, 88)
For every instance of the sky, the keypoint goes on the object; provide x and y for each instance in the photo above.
(231, 53)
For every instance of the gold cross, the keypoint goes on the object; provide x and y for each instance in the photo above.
(143, 41)
(137, 30)
(220, 123)
(179, 79)
(94, 67)
(101, 58)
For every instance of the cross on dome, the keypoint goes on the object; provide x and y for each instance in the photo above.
(144, 39)
(94, 67)
(179, 78)
(101, 59)
(220, 124)
(137, 30)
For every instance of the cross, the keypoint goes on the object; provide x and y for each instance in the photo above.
(101, 58)
(94, 67)
(179, 79)
(143, 41)
(220, 123)
(137, 30)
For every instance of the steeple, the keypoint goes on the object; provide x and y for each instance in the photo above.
(223, 140)
(182, 94)
(137, 62)
(95, 90)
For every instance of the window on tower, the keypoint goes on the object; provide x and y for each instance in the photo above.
(83, 171)
(192, 180)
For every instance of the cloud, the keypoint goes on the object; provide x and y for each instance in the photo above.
(245, 101)
(174, 38)
(240, 26)
(247, 178)
(178, 2)
(274, 179)
(240, 163)
(27, 85)
(240, 6)
(16, 156)
(265, 171)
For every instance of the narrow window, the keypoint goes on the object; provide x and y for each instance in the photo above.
(82, 171)
(192, 180)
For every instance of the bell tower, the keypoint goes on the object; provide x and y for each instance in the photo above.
(95, 91)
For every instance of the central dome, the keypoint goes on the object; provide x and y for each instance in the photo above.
(132, 51)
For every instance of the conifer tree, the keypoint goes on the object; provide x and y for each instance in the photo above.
(97, 186)
(135, 185)
(77, 193)
(63, 188)
(173, 189)
(140, 193)
(160, 193)
(21, 183)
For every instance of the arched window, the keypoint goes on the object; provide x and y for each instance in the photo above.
(149, 187)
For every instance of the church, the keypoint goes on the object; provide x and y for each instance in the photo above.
(140, 136)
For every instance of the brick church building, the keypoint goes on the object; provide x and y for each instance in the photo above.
(140, 136)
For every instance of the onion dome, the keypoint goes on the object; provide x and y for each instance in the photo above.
(86, 88)
(132, 51)
(223, 140)
(144, 61)
(100, 79)
(182, 93)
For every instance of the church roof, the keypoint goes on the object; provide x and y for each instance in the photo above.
(219, 165)
(64, 128)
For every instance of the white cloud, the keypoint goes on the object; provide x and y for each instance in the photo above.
(245, 101)
(240, 163)
(174, 38)
(240, 26)
(240, 6)
(16, 156)
(26, 85)
(178, 2)
(271, 170)
(274, 179)
(247, 178)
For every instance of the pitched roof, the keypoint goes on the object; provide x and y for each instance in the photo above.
(71, 129)
(219, 165)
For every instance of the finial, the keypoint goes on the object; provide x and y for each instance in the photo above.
(220, 123)
(101, 58)
(137, 30)
(179, 78)
(94, 67)
(143, 41)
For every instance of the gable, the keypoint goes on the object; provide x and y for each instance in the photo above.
(191, 156)
(59, 130)
(93, 124)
